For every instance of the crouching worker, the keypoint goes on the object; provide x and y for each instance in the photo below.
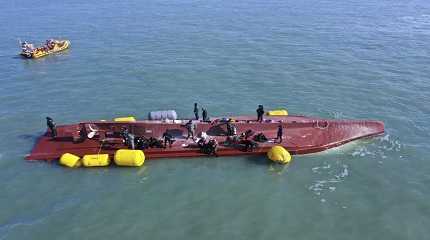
(249, 145)
(209, 147)
(212, 147)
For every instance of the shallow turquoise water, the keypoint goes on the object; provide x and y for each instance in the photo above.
(337, 59)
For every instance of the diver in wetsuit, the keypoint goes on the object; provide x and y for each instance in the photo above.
(128, 138)
(212, 147)
(231, 128)
(279, 134)
(205, 115)
(51, 125)
(249, 145)
(196, 111)
(167, 139)
(260, 113)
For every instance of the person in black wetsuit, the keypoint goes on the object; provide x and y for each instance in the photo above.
(128, 138)
(212, 147)
(51, 125)
(279, 134)
(231, 128)
(249, 145)
(196, 111)
(205, 115)
(260, 113)
(167, 139)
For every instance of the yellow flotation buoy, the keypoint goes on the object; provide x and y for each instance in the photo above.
(96, 160)
(125, 119)
(278, 112)
(130, 158)
(70, 160)
(279, 154)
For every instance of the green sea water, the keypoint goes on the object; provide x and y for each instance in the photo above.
(334, 59)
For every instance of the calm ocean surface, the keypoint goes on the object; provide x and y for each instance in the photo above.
(363, 59)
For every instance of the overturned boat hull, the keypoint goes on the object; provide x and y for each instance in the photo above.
(301, 135)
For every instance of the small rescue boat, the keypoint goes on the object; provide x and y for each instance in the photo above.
(164, 136)
(51, 46)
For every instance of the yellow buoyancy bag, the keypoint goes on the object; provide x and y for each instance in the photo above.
(96, 160)
(130, 158)
(70, 160)
(279, 154)
(124, 119)
(278, 112)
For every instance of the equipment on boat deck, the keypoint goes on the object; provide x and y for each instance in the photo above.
(163, 115)
(125, 119)
(278, 112)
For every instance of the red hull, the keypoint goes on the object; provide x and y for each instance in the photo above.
(302, 135)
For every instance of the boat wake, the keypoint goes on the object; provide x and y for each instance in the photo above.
(378, 149)
(336, 173)
(333, 173)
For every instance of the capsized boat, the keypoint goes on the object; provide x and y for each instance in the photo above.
(240, 135)
(51, 46)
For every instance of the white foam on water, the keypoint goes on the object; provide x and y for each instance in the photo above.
(278, 169)
(344, 172)
(417, 21)
(342, 149)
(316, 169)
(379, 149)
(376, 147)
(328, 185)
(333, 173)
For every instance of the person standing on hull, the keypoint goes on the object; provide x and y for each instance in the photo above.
(196, 111)
(167, 139)
(51, 125)
(231, 128)
(205, 115)
(191, 127)
(260, 113)
(279, 134)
